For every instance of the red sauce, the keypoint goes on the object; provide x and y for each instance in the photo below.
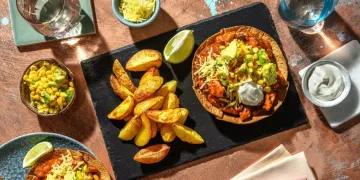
(44, 169)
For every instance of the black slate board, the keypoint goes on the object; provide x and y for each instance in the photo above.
(218, 135)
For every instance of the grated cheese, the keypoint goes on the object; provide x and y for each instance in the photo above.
(64, 169)
(137, 10)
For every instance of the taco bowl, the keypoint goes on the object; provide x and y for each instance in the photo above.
(68, 164)
(240, 75)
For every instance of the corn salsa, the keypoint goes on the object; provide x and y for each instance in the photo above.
(50, 88)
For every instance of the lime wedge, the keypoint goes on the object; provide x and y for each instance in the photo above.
(37, 152)
(179, 47)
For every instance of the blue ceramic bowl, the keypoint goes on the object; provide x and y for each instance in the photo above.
(120, 17)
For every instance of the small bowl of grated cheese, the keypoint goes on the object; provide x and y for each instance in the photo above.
(136, 13)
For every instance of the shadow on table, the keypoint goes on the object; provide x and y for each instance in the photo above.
(336, 32)
(162, 23)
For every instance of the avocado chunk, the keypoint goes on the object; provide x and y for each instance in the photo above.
(269, 73)
(230, 51)
(60, 75)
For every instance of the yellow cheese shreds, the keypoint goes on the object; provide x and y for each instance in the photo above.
(137, 10)
(65, 169)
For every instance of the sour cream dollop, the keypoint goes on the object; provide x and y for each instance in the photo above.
(326, 82)
(251, 94)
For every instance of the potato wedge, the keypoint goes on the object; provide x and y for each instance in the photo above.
(184, 116)
(151, 72)
(187, 134)
(164, 116)
(147, 104)
(124, 109)
(122, 76)
(130, 129)
(169, 87)
(153, 128)
(152, 154)
(171, 101)
(144, 60)
(166, 131)
(167, 134)
(119, 89)
(148, 88)
(144, 134)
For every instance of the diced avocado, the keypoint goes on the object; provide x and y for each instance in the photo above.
(230, 52)
(60, 75)
(53, 84)
(262, 57)
(243, 68)
(269, 73)
(69, 95)
(46, 96)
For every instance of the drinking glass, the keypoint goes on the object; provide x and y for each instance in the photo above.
(306, 15)
(52, 18)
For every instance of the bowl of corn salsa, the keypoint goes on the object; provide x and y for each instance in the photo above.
(47, 87)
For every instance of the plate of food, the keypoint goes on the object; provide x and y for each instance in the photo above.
(240, 75)
(128, 84)
(36, 155)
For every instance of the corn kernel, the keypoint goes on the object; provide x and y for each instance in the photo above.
(62, 94)
(41, 111)
(260, 82)
(71, 84)
(250, 64)
(25, 77)
(72, 89)
(36, 97)
(48, 73)
(96, 177)
(51, 111)
(57, 93)
(59, 101)
(255, 50)
(32, 88)
(53, 68)
(49, 90)
(267, 89)
(32, 93)
(54, 89)
(33, 68)
(255, 57)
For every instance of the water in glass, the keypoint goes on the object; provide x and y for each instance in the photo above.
(306, 15)
(53, 18)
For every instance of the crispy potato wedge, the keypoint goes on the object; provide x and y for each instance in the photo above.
(148, 88)
(124, 109)
(166, 131)
(152, 154)
(171, 101)
(164, 116)
(169, 87)
(130, 129)
(144, 134)
(122, 76)
(187, 134)
(147, 104)
(184, 115)
(119, 89)
(153, 128)
(167, 134)
(151, 72)
(144, 60)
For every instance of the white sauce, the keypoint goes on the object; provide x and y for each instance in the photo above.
(251, 94)
(326, 82)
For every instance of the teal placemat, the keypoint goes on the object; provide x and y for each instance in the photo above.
(24, 34)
